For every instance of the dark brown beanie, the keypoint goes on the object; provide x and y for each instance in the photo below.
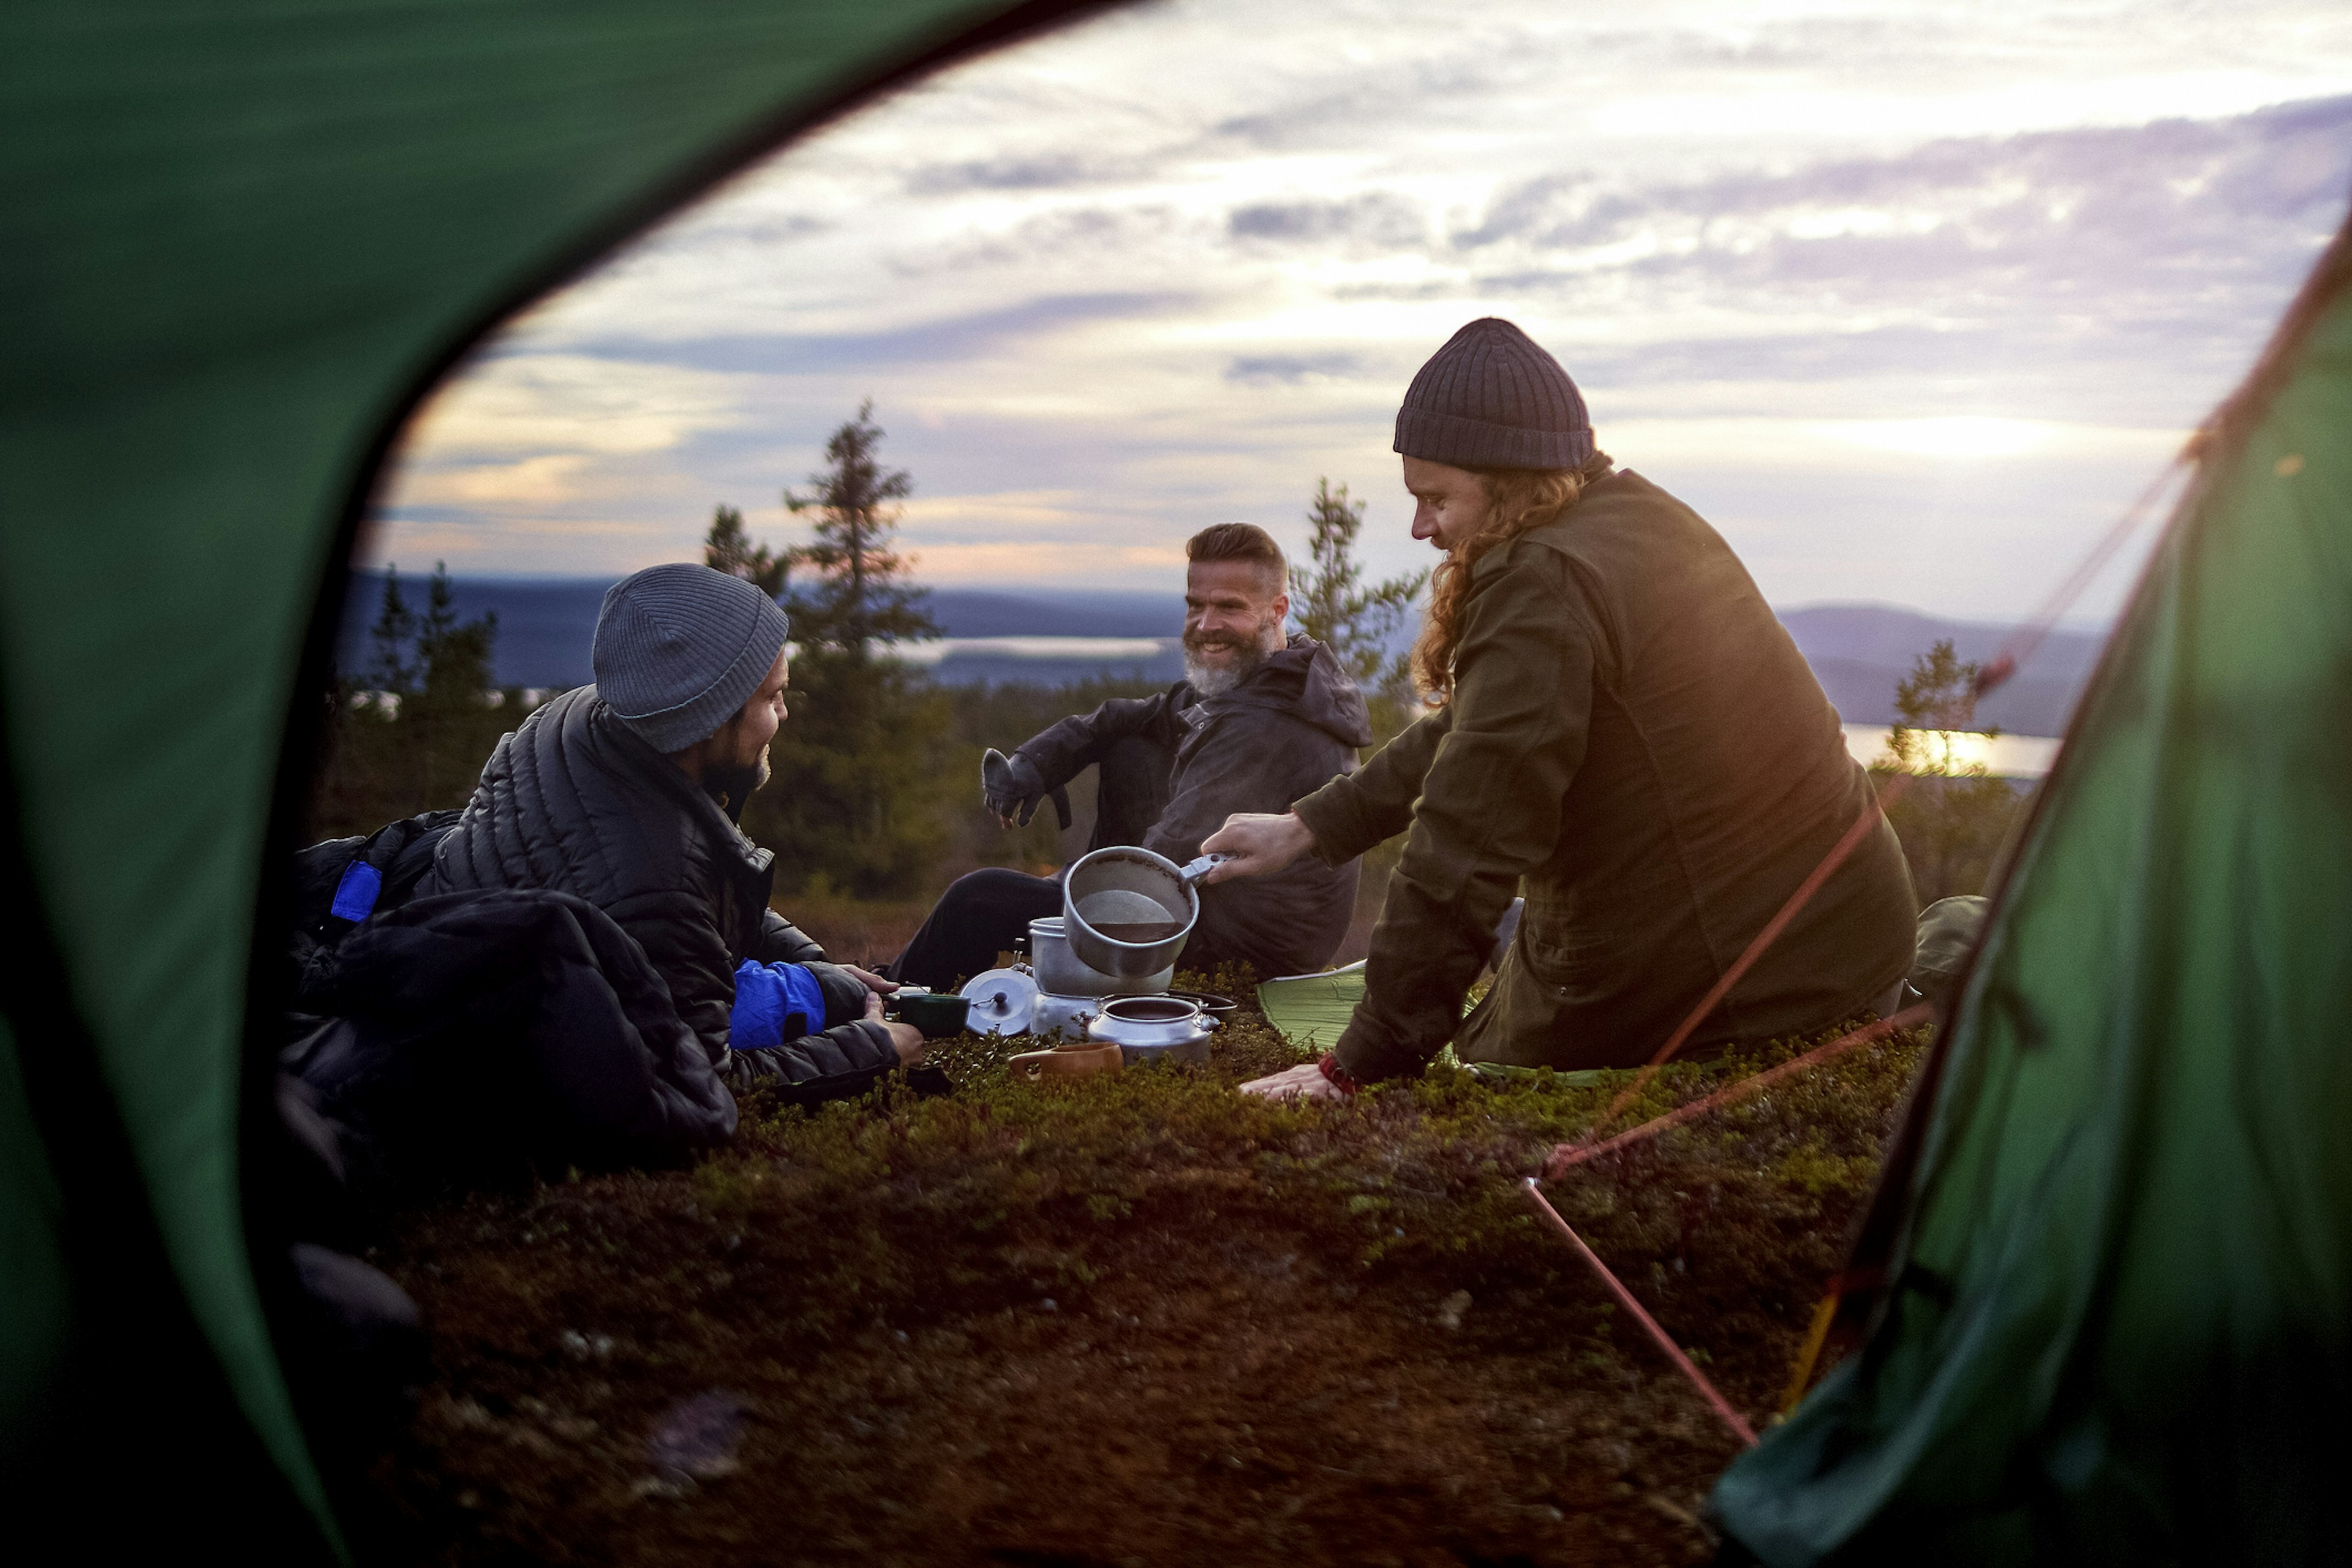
(1491, 398)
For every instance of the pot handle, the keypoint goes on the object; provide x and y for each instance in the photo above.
(1192, 871)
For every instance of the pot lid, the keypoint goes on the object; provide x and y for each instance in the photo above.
(1003, 1002)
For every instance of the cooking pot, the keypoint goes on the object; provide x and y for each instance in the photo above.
(1209, 1002)
(1126, 911)
(1154, 1030)
(1061, 972)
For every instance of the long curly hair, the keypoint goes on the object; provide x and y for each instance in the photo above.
(1516, 501)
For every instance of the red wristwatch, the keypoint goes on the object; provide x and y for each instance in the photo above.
(1338, 1075)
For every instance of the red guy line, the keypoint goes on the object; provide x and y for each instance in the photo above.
(1731, 1418)
(1863, 824)
(2021, 642)
(1566, 1155)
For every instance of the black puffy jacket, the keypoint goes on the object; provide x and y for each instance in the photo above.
(574, 802)
(474, 1035)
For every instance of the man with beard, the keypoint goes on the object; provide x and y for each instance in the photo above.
(627, 794)
(1259, 717)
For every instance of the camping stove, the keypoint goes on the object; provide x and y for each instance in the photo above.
(1154, 1027)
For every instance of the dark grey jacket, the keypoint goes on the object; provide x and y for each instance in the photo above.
(575, 803)
(1289, 729)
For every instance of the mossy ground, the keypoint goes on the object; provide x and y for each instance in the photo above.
(1133, 1319)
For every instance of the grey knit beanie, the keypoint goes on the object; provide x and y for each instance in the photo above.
(681, 649)
(1491, 398)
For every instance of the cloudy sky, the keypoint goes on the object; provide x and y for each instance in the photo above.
(1909, 300)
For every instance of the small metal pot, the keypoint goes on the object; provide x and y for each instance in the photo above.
(1154, 1030)
(1209, 1002)
(1123, 885)
(1062, 972)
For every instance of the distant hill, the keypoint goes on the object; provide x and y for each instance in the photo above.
(1858, 651)
(545, 626)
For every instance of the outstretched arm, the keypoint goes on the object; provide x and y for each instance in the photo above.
(1340, 821)
(1062, 751)
(1374, 803)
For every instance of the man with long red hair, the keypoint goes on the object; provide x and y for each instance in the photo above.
(1620, 725)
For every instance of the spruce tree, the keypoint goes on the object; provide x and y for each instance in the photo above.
(1330, 602)
(453, 656)
(860, 593)
(860, 801)
(728, 548)
(391, 670)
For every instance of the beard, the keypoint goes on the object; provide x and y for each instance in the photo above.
(732, 783)
(1242, 657)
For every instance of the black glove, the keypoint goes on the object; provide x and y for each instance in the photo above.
(1012, 787)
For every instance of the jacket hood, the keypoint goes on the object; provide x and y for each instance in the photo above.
(1305, 681)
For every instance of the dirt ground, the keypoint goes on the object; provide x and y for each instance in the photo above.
(1131, 1320)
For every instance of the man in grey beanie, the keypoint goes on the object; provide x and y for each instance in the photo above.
(628, 792)
(1620, 725)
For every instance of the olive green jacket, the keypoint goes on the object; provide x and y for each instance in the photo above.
(1631, 732)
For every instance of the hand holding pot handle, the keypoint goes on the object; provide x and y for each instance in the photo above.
(1256, 844)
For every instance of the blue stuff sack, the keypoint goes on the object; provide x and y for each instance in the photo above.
(356, 894)
(775, 1003)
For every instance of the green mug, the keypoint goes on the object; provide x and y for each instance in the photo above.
(938, 1014)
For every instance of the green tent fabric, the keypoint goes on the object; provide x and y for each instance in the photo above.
(2120, 1323)
(237, 241)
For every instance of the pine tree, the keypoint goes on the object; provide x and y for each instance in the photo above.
(395, 627)
(1330, 602)
(860, 593)
(860, 805)
(424, 748)
(727, 548)
(1954, 815)
(453, 656)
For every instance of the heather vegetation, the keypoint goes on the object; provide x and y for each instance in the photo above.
(1138, 1317)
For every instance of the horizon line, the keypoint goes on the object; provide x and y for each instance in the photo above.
(1022, 591)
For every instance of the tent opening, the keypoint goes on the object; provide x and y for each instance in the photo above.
(1057, 306)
